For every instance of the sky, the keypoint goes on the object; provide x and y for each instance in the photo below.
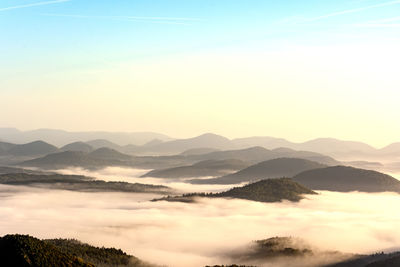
(292, 69)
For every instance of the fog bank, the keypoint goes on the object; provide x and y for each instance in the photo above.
(181, 234)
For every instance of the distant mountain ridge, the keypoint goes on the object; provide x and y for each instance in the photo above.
(61, 137)
(35, 148)
(275, 168)
(202, 168)
(148, 143)
(104, 157)
(258, 154)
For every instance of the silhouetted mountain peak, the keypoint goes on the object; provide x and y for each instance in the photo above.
(32, 149)
(77, 146)
(108, 153)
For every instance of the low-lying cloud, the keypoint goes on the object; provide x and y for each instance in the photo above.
(133, 176)
(181, 234)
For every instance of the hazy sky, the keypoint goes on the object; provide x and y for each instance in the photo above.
(293, 69)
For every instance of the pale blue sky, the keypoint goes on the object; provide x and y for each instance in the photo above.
(48, 47)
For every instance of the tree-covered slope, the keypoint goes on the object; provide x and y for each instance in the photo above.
(27, 251)
(269, 190)
(23, 250)
(99, 256)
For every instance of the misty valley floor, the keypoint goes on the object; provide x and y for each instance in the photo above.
(205, 232)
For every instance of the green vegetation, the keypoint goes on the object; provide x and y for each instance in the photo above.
(23, 250)
(269, 190)
(27, 251)
(95, 255)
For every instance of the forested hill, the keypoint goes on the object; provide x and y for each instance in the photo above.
(27, 251)
(269, 190)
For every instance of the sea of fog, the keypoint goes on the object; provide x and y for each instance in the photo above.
(133, 176)
(183, 234)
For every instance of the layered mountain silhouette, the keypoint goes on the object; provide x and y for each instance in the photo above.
(109, 154)
(99, 143)
(77, 146)
(275, 168)
(101, 157)
(346, 179)
(61, 137)
(4, 147)
(66, 159)
(269, 190)
(36, 148)
(104, 157)
(202, 168)
(258, 154)
(198, 151)
(181, 145)
(146, 143)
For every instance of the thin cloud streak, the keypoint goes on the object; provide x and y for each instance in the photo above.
(382, 23)
(163, 20)
(378, 25)
(355, 10)
(34, 4)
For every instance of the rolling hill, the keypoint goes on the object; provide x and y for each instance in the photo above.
(23, 251)
(181, 145)
(259, 154)
(99, 143)
(28, 251)
(108, 154)
(269, 190)
(4, 147)
(61, 137)
(77, 146)
(346, 179)
(203, 168)
(66, 159)
(36, 148)
(198, 151)
(275, 168)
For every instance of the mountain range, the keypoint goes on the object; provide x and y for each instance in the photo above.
(104, 157)
(199, 169)
(61, 137)
(275, 168)
(148, 143)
